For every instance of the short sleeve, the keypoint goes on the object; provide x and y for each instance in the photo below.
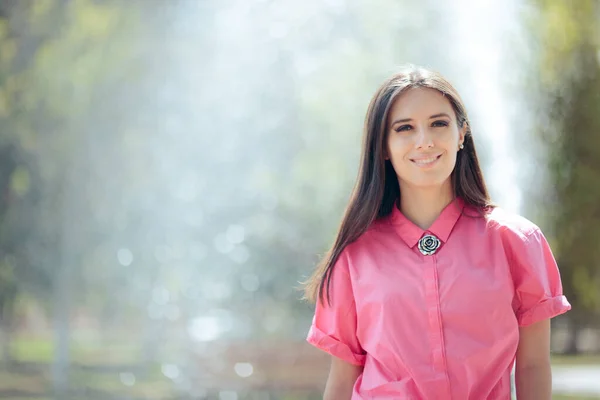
(333, 328)
(538, 287)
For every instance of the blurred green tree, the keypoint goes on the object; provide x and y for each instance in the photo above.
(567, 35)
(63, 69)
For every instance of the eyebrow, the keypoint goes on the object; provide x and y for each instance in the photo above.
(410, 119)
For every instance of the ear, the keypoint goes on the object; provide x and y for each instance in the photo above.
(462, 133)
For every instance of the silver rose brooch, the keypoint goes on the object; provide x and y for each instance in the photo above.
(428, 245)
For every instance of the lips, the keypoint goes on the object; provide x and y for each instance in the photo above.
(425, 161)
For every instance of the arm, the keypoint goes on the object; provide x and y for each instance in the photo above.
(334, 330)
(533, 375)
(342, 376)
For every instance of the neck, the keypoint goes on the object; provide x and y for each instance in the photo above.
(422, 206)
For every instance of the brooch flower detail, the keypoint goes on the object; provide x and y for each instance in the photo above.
(428, 245)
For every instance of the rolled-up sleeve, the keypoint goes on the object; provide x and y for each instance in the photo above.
(538, 287)
(333, 328)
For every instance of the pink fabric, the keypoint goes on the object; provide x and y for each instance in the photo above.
(443, 326)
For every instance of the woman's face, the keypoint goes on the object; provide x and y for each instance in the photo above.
(423, 138)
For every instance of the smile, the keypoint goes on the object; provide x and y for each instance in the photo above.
(426, 162)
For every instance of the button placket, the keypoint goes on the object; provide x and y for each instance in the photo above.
(436, 339)
(431, 292)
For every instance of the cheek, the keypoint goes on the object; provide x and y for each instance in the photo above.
(451, 160)
(398, 148)
(451, 141)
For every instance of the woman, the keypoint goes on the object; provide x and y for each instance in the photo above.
(429, 291)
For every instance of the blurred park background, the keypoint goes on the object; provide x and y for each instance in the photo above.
(170, 170)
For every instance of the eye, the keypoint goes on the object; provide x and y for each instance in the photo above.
(440, 123)
(403, 128)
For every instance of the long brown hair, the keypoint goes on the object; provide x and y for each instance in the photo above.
(376, 190)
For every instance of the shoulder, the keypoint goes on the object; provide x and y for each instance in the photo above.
(374, 240)
(510, 224)
(522, 239)
(378, 231)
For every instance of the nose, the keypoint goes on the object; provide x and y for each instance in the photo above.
(423, 139)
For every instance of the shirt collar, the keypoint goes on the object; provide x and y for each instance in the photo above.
(441, 228)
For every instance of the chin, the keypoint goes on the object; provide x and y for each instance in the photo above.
(428, 183)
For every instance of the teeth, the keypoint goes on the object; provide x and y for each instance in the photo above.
(425, 160)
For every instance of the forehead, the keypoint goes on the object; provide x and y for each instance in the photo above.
(420, 102)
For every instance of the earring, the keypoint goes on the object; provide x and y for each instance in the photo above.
(462, 146)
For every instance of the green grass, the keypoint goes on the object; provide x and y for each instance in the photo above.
(28, 398)
(42, 351)
(32, 350)
(582, 359)
(152, 385)
(38, 354)
(566, 360)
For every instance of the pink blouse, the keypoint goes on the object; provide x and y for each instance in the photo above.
(442, 325)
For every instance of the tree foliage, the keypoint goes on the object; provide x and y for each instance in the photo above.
(569, 93)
